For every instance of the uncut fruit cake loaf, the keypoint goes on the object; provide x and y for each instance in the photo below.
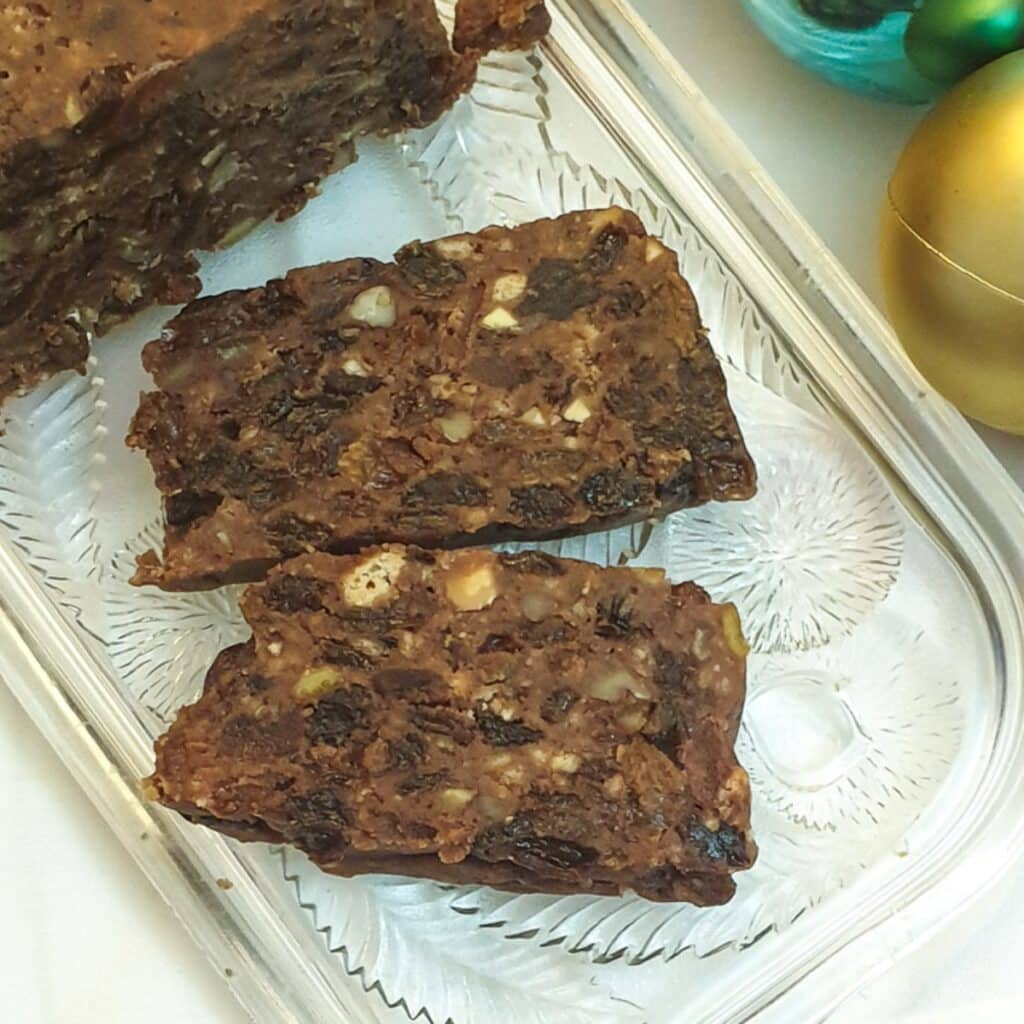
(520, 383)
(522, 721)
(134, 133)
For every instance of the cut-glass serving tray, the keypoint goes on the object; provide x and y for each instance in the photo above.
(878, 573)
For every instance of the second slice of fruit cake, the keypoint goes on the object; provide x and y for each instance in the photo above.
(522, 721)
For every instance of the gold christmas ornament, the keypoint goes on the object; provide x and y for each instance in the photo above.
(952, 245)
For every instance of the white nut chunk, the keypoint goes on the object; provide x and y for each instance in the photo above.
(455, 799)
(499, 319)
(354, 368)
(374, 307)
(653, 250)
(534, 417)
(508, 287)
(457, 426)
(471, 585)
(372, 581)
(454, 248)
(577, 411)
(566, 762)
(614, 683)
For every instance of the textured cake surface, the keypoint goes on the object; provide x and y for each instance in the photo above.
(518, 720)
(133, 134)
(524, 382)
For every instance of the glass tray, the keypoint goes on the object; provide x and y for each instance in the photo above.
(875, 572)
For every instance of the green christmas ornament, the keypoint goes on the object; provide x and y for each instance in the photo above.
(948, 39)
(910, 50)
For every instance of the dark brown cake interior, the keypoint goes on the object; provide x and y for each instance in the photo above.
(524, 721)
(520, 383)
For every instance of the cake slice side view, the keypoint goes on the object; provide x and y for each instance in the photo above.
(520, 383)
(531, 723)
(133, 135)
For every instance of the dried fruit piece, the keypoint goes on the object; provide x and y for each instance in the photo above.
(501, 733)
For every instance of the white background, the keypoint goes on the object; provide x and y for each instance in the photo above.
(83, 938)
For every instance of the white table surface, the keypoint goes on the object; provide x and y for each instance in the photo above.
(83, 938)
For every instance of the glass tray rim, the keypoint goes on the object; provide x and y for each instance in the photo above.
(670, 125)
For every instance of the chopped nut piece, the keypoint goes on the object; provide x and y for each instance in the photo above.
(534, 417)
(454, 248)
(614, 786)
(611, 686)
(456, 799)
(372, 582)
(315, 682)
(374, 307)
(567, 763)
(471, 585)
(538, 606)
(734, 632)
(499, 319)
(211, 157)
(354, 368)
(654, 250)
(236, 233)
(509, 287)
(457, 427)
(632, 721)
(577, 411)
(73, 112)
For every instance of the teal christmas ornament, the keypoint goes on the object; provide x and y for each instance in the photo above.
(903, 50)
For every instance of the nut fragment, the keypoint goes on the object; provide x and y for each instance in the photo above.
(534, 417)
(226, 170)
(374, 307)
(455, 799)
(73, 112)
(611, 685)
(315, 682)
(538, 606)
(632, 721)
(653, 250)
(734, 632)
(508, 287)
(566, 762)
(614, 786)
(236, 233)
(214, 154)
(494, 809)
(454, 248)
(699, 647)
(457, 427)
(372, 581)
(354, 368)
(577, 411)
(471, 585)
(499, 319)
